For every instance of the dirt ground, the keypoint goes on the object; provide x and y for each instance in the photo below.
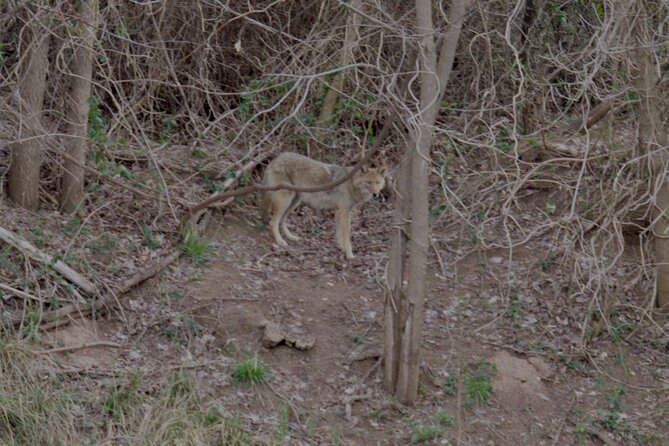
(491, 318)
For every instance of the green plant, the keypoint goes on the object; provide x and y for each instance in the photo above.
(478, 386)
(437, 211)
(32, 323)
(244, 178)
(376, 413)
(96, 122)
(169, 127)
(181, 329)
(618, 330)
(211, 185)
(73, 224)
(250, 371)
(7, 262)
(149, 240)
(423, 433)
(443, 418)
(538, 346)
(582, 432)
(359, 339)
(209, 416)
(614, 399)
(38, 235)
(181, 387)
(105, 244)
(611, 418)
(546, 262)
(310, 425)
(282, 428)
(663, 415)
(503, 142)
(121, 398)
(513, 310)
(584, 203)
(449, 386)
(197, 248)
(198, 153)
(550, 208)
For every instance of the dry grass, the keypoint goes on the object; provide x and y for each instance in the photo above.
(41, 405)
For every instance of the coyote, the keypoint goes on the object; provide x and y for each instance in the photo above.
(297, 170)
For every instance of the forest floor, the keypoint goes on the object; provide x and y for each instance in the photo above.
(506, 360)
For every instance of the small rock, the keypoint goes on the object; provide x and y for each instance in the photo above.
(304, 343)
(205, 339)
(132, 355)
(272, 334)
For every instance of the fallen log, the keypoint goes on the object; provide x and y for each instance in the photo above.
(61, 316)
(596, 114)
(58, 265)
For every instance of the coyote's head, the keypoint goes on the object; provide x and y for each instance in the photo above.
(370, 181)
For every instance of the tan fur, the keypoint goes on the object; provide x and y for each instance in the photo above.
(298, 170)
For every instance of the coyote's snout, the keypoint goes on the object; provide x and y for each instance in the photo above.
(298, 170)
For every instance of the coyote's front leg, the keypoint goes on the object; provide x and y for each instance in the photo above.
(343, 231)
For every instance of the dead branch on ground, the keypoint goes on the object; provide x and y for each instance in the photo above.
(58, 265)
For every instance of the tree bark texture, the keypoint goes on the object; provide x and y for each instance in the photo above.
(24, 170)
(395, 305)
(404, 304)
(653, 139)
(72, 182)
(337, 85)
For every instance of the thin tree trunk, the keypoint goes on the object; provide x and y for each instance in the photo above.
(419, 240)
(395, 305)
(23, 184)
(395, 308)
(72, 186)
(653, 130)
(404, 310)
(337, 85)
(652, 136)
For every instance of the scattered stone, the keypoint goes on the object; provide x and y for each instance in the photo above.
(132, 355)
(274, 335)
(304, 343)
(518, 381)
(365, 351)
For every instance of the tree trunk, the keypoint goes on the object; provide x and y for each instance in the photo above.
(24, 170)
(419, 239)
(395, 305)
(653, 130)
(337, 85)
(72, 182)
(404, 311)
